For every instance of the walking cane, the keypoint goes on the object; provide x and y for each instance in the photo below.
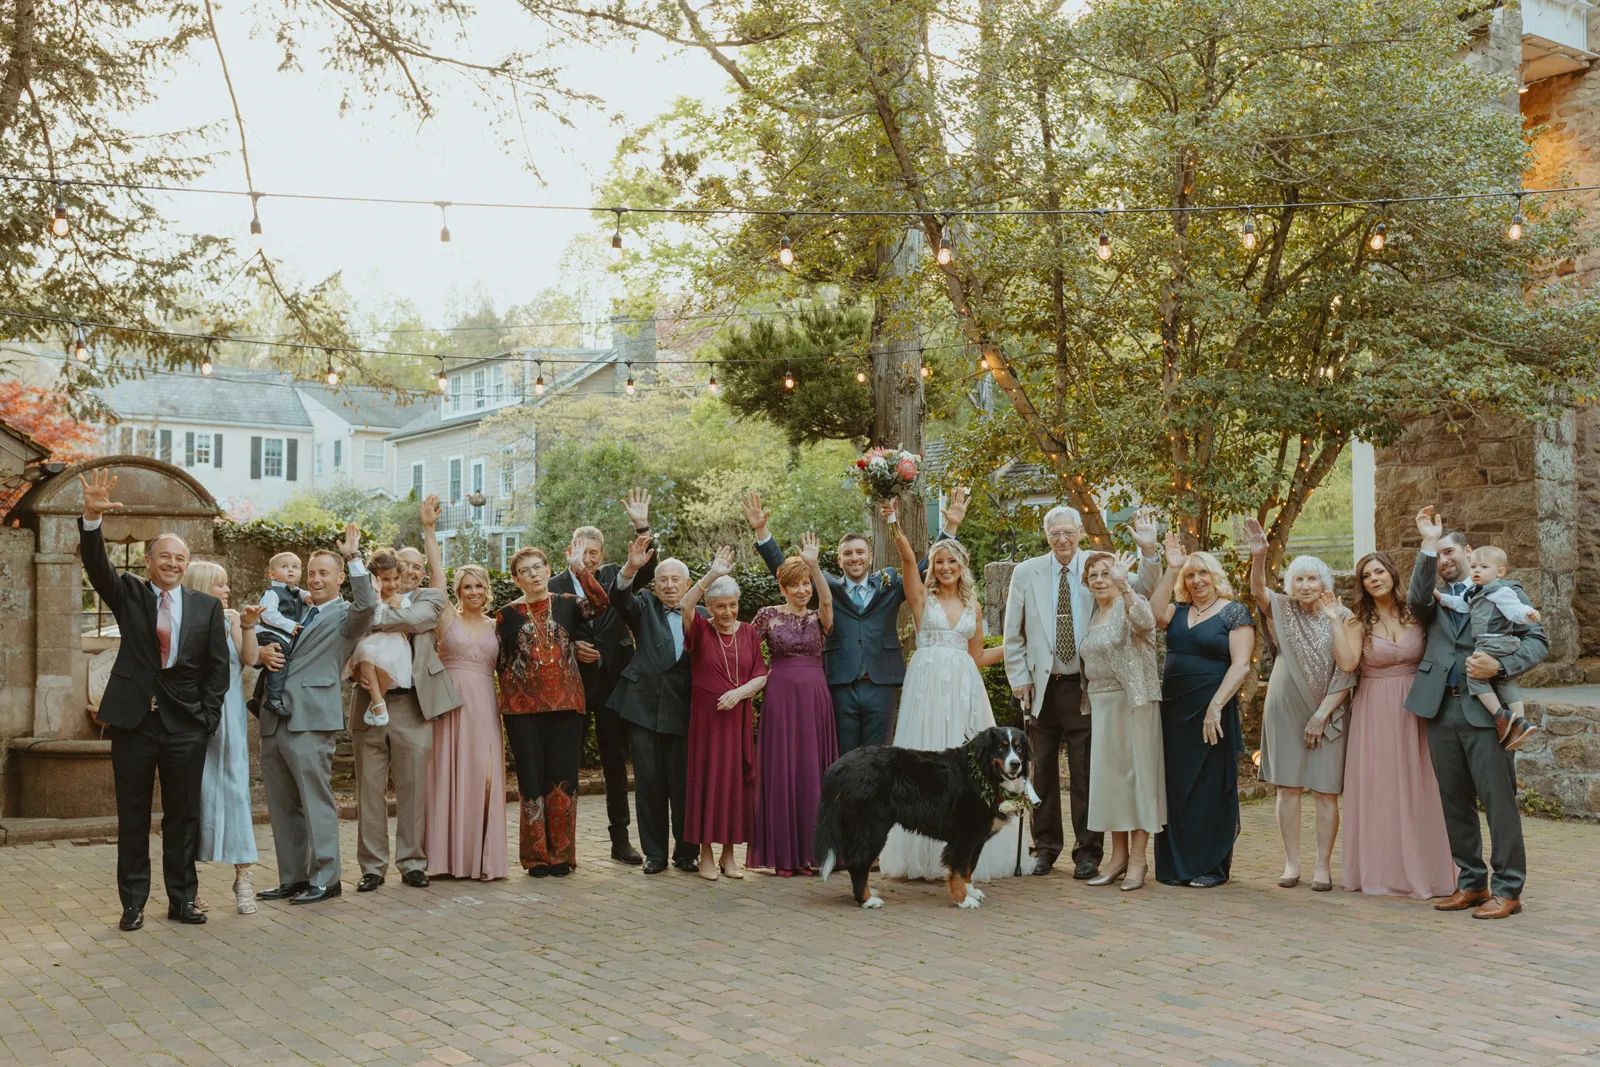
(1022, 810)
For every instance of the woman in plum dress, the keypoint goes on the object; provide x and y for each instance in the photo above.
(797, 741)
(466, 817)
(727, 670)
(1394, 839)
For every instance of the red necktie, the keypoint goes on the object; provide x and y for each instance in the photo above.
(164, 626)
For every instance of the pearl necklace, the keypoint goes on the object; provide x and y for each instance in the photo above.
(723, 646)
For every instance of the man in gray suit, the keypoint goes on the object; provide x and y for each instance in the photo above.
(297, 749)
(403, 747)
(1467, 757)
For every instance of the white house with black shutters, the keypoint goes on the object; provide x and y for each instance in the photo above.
(256, 438)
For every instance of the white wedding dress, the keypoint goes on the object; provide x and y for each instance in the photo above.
(942, 704)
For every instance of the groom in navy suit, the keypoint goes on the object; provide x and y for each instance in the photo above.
(861, 657)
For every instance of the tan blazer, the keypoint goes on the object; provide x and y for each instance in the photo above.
(436, 693)
(1030, 628)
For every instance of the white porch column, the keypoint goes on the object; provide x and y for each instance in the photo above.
(1364, 498)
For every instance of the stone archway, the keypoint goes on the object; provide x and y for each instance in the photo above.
(63, 763)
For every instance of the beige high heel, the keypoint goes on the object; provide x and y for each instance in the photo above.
(1131, 883)
(708, 871)
(731, 868)
(1108, 878)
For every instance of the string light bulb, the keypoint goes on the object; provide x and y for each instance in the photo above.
(927, 371)
(788, 378)
(205, 361)
(628, 386)
(943, 255)
(538, 382)
(1103, 249)
(861, 376)
(444, 222)
(60, 225)
(1379, 238)
(785, 251)
(1247, 237)
(1514, 231)
(256, 237)
(80, 347)
(712, 387)
(616, 237)
(443, 379)
(332, 375)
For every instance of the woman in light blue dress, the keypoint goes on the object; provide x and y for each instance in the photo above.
(227, 828)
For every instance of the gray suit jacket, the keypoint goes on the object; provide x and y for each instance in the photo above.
(316, 663)
(1030, 622)
(436, 693)
(1449, 644)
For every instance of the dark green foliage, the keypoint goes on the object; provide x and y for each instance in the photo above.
(823, 348)
(582, 483)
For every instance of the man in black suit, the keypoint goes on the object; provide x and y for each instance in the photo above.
(604, 648)
(652, 696)
(162, 702)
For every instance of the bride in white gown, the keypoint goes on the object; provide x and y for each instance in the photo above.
(944, 702)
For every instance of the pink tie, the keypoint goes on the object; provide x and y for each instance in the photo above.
(164, 626)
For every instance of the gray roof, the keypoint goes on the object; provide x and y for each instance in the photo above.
(362, 405)
(232, 396)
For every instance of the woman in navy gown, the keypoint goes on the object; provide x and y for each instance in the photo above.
(1210, 638)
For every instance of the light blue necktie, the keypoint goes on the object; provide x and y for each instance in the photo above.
(858, 593)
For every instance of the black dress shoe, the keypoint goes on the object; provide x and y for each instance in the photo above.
(284, 891)
(624, 852)
(560, 870)
(132, 919)
(415, 879)
(654, 866)
(186, 913)
(368, 883)
(539, 870)
(1043, 864)
(1085, 869)
(317, 894)
(691, 866)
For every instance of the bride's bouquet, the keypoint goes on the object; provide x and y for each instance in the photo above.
(885, 473)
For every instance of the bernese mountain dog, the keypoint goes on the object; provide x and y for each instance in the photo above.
(961, 796)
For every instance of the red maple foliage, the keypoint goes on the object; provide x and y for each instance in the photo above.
(41, 415)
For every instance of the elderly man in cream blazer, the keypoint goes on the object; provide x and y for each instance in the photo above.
(1044, 669)
(404, 746)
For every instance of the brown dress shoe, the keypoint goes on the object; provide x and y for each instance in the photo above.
(1462, 899)
(1498, 908)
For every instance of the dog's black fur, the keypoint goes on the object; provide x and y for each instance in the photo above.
(871, 789)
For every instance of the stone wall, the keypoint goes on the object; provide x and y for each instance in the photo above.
(1561, 763)
(1586, 506)
(16, 652)
(1565, 113)
(1505, 483)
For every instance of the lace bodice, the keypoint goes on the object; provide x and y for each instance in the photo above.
(787, 634)
(935, 631)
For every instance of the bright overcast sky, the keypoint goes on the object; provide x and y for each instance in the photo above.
(299, 143)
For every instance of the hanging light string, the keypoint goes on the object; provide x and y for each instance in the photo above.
(787, 213)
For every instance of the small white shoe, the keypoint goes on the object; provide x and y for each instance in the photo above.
(377, 715)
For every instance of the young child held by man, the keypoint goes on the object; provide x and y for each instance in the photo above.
(1498, 613)
(382, 660)
(283, 611)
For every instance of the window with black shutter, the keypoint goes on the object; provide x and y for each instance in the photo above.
(188, 449)
(166, 446)
(255, 458)
(290, 463)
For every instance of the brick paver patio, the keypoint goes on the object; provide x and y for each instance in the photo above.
(611, 967)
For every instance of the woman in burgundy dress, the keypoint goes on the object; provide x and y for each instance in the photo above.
(541, 704)
(1394, 839)
(727, 670)
(798, 741)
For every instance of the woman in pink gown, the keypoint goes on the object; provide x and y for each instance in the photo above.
(1394, 840)
(466, 828)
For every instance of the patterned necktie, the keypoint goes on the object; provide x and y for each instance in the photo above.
(164, 626)
(1066, 640)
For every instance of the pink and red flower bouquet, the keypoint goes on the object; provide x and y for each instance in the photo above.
(885, 473)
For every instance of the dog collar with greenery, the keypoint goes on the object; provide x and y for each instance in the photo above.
(991, 793)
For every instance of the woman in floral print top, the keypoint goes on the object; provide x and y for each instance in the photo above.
(542, 706)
